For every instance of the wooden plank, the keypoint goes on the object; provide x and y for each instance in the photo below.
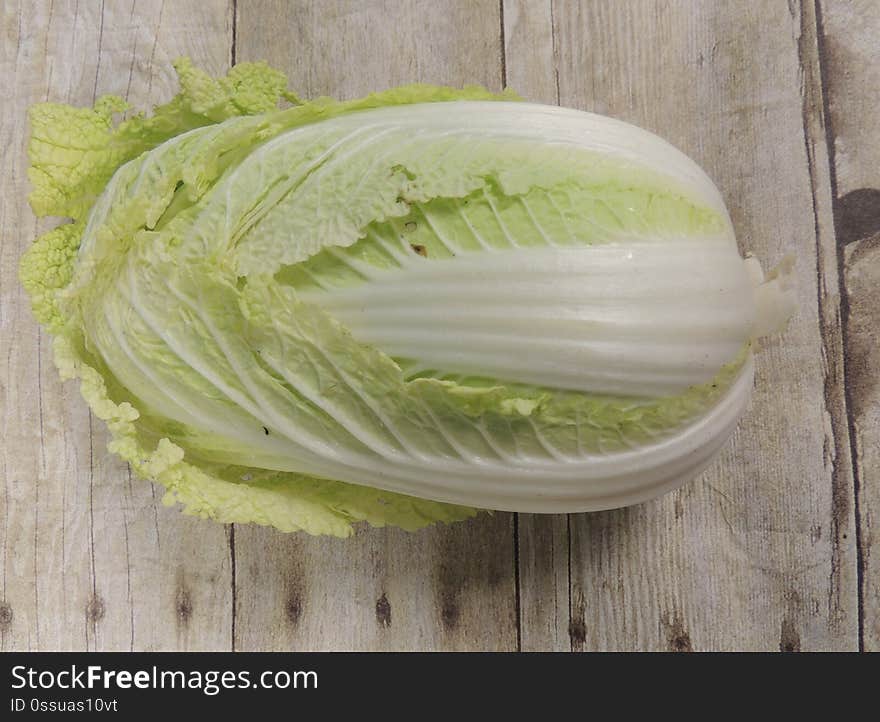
(346, 48)
(851, 71)
(757, 553)
(442, 588)
(862, 279)
(91, 559)
(530, 52)
(862, 269)
(542, 540)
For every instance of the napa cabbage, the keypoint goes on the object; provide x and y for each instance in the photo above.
(397, 309)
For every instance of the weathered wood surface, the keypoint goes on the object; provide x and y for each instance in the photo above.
(769, 549)
(91, 559)
(850, 53)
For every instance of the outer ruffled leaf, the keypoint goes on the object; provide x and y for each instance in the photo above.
(73, 151)
(288, 502)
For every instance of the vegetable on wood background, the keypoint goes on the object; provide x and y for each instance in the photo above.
(766, 540)
(238, 294)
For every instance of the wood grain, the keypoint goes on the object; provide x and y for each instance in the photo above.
(851, 70)
(442, 588)
(770, 549)
(91, 559)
